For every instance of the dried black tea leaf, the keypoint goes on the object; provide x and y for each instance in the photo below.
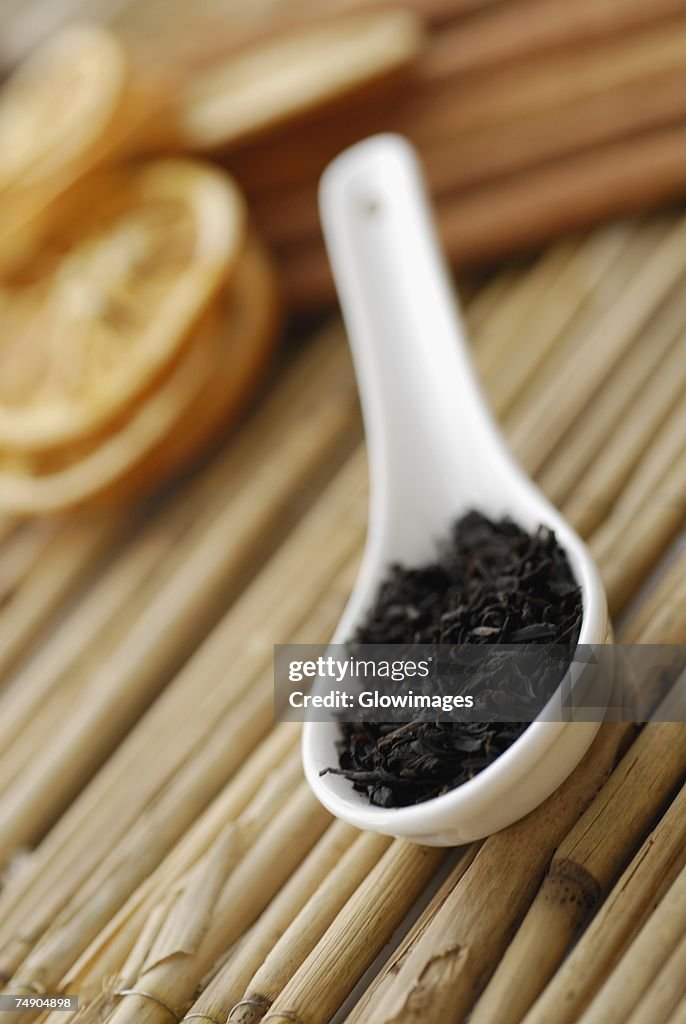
(493, 583)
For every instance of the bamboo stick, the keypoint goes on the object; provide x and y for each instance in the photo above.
(222, 745)
(382, 983)
(665, 993)
(253, 608)
(247, 892)
(9, 527)
(643, 960)
(619, 276)
(679, 1015)
(487, 299)
(98, 968)
(631, 441)
(442, 972)
(649, 874)
(228, 826)
(584, 867)
(662, 614)
(293, 923)
(372, 914)
(553, 317)
(153, 834)
(19, 550)
(510, 317)
(174, 619)
(631, 542)
(612, 336)
(580, 445)
(65, 563)
(205, 491)
(652, 477)
(45, 690)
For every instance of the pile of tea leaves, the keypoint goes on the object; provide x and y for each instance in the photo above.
(492, 583)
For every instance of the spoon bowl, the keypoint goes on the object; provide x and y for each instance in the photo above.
(435, 452)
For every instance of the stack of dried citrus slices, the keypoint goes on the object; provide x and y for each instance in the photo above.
(137, 308)
(133, 335)
(137, 305)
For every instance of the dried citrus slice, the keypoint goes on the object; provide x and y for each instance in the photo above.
(167, 427)
(113, 299)
(247, 322)
(281, 79)
(59, 104)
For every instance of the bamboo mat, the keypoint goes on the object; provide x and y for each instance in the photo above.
(162, 854)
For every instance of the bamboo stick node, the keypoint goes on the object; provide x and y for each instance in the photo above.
(570, 882)
(152, 997)
(249, 1010)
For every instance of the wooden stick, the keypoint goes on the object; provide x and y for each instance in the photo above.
(247, 892)
(538, 106)
(618, 278)
(460, 162)
(101, 963)
(64, 564)
(372, 914)
(36, 899)
(442, 972)
(666, 991)
(21, 549)
(509, 32)
(643, 960)
(293, 923)
(663, 612)
(201, 572)
(612, 469)
(382, 984)
(584, 867)
(601, 348)
(556, 312)
(44, 692)
(547, 82)
(635, 431)
(517, 214)
(650, 873)
(577, 450)
(631, 542)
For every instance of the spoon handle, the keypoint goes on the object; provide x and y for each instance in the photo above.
(424, 415)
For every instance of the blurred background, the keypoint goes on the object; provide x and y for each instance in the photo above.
(533, 117)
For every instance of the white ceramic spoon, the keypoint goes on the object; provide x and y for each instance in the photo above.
(435, 453)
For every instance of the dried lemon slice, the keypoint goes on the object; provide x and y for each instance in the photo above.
(207, 387)
(59, 104)
(281, 79)
(113, 298)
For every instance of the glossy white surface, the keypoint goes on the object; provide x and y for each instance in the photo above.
(434, 453)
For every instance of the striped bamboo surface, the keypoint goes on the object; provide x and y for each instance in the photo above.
(163, 858)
